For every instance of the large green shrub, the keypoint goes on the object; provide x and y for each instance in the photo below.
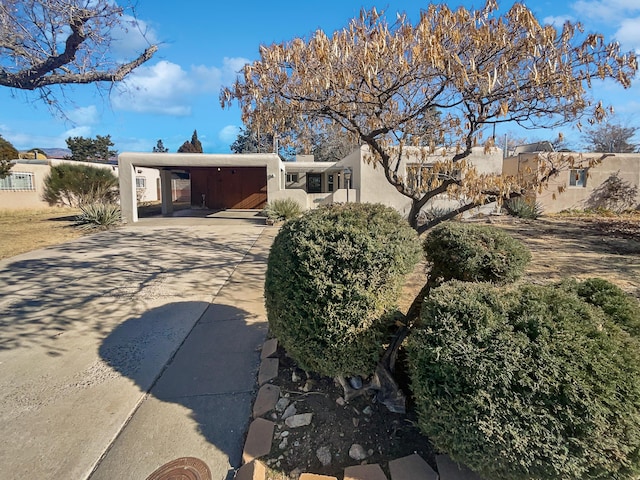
(75, 184)
(531, 383)
(620, 307)
(474, 253)
(332, 276)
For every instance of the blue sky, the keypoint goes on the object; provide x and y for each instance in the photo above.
(204, 43)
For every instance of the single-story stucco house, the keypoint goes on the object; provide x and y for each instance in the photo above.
(250, 181)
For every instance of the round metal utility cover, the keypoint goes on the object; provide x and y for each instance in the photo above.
(185, 468)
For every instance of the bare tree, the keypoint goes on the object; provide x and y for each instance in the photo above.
(56, 42)
(381, 81)
(610, 137)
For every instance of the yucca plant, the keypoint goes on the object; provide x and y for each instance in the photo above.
(523, 208)
(99, 216)
(283, 209)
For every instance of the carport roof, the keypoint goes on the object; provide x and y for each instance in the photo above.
(182, 160)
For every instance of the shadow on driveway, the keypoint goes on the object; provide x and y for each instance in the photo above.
(199, 405)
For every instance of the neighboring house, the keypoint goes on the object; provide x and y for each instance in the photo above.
(24, 186)
(250, 181)
(583, 187)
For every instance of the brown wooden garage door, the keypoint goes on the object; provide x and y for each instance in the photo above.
(229, 187)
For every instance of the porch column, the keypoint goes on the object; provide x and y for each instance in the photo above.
(166, 191)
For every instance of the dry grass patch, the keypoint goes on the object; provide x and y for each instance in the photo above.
(25, 230)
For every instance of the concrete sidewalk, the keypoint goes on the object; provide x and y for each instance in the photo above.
(122, 351)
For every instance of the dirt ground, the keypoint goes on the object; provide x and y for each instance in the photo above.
(25, 230)
(581, 247)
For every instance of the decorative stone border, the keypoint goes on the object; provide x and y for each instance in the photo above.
(260, 438)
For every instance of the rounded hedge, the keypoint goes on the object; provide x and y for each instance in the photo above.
(332, 276)
(531, 383)
(474, 253)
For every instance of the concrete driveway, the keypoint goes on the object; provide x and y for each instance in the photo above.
(124, 350)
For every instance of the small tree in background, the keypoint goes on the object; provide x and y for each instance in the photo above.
(91, 149)
(610, 137)
(193, 146)
(160, 148)
(74, 185)
(7, 153)
(249, 141)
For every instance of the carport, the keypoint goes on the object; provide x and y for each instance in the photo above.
(218, 181)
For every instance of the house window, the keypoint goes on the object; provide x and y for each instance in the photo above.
(578, 177)
(330, 182)
(314, 183)
(141, 182)
(292, 178)
(17, 181)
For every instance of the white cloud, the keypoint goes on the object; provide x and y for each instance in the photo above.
(83, 131)
(558, 21)
(168, 89)
(606, 10)
(24, 141)
(160, 88)
(84, 115)
(629, 34)
(131, 37)
(231, 67)
(228, 134)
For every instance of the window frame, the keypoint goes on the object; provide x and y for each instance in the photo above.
(7, 185)
(579, 178)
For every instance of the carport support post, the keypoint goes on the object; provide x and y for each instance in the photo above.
(165, 189)
(128, 201)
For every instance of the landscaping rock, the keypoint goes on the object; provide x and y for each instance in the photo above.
(357, 452)
(324, 455)
(282, 403)
(289, 412)
(300, 420)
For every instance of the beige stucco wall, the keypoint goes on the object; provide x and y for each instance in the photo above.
(17, 199)
(627, 165)
(25, 199)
